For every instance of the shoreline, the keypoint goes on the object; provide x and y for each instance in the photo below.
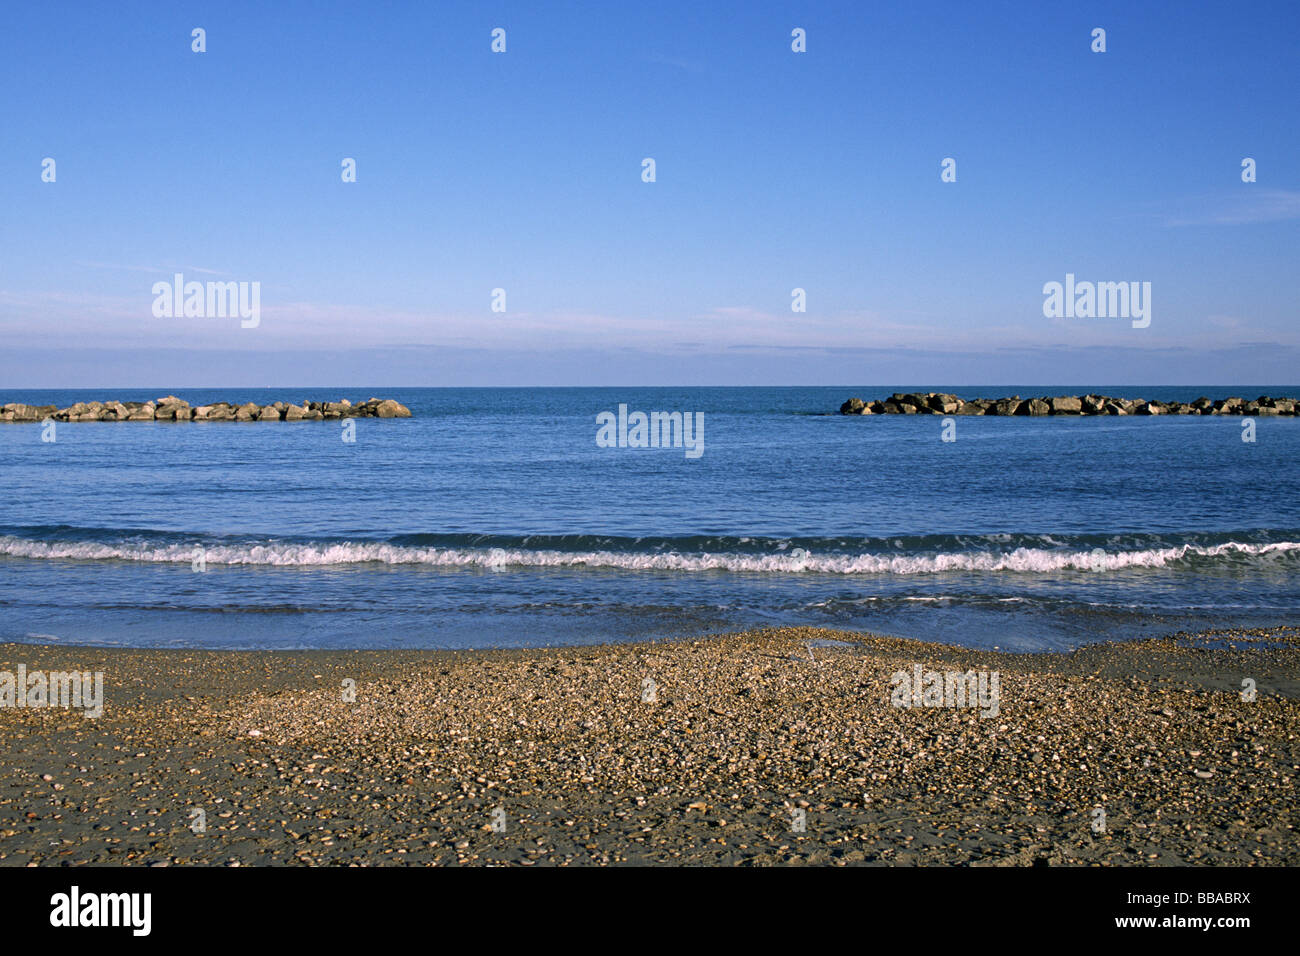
(741, 732)
(1228, 634)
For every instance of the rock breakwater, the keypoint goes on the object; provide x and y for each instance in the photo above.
(942, 403)
(172, 409)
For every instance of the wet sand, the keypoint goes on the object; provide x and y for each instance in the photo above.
(780, 746)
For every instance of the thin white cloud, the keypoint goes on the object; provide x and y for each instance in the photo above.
(689, 66)
(152, 270)
(1245, 207)
(104, 320)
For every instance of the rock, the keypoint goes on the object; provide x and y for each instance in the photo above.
(165, 409)
(942, 403)
(1005, 406)
(223, 413)
(172, 408)
(908, 399)
(1066, 405)
(1228, 406)
(81, 412)
(18, 412)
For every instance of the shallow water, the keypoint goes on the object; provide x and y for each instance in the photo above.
(493, 518)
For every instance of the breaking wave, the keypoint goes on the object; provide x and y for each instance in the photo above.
(835, 556)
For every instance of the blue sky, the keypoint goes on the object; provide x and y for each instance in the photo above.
(775, 170)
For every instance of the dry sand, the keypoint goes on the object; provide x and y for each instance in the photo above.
(743, 731)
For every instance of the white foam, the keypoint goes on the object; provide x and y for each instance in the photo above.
(286, 554)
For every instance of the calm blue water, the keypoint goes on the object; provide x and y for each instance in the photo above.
(493, 518)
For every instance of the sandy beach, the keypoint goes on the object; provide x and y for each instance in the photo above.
(772, 747)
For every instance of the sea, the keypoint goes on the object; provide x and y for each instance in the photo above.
(494, 518)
